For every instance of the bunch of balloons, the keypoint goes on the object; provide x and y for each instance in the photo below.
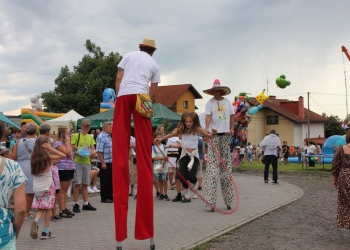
(241, 106)
(243, 115)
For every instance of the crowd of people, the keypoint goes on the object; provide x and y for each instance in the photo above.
(42, 171)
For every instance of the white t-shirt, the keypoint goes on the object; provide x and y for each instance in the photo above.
(139, 69)
(172, 141)
(220, 112)
(311, 149)
(241, 151)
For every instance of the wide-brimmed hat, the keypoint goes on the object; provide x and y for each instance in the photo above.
(149, 42)
(217, 86)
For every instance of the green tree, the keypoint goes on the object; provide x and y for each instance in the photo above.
(333, 127)
(82, 89)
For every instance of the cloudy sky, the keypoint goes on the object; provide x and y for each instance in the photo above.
(241, 42)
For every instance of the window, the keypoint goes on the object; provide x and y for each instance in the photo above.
(272, 119)
(185, 104)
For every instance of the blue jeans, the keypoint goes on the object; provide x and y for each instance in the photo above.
(250, 157)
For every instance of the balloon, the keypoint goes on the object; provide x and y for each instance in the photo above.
(36, 102)
(255, 110)
(261, 98)
(282, 82)
(109, 95)
(312, 159)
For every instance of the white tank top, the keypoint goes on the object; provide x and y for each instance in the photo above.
(190, 140)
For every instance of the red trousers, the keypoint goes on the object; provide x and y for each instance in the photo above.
(144, 224)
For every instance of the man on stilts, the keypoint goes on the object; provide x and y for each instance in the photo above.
(135, 71)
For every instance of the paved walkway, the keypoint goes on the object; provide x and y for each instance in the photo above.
(177, 225)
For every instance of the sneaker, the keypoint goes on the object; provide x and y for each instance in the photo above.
(177, 198)
(90, 190)
(34, 230)
(69, 212)
(199, 188)
(76, 208)
(267, 181)
(64, 214)
(53, 219)
(194, 196)
(157, 195)
(166, 198)
(96, 189)
(48, 235)
(57, 217)
(89, 207)
(186, 201)
(275, 182)
(161, 197)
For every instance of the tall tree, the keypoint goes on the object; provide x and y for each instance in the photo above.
(333, 127)
(82, 89)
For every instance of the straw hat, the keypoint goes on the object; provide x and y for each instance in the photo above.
(148, 42)
(217, 86)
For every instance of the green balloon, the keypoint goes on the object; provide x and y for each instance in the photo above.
(282, 83)
(283, 76)
(312, 159)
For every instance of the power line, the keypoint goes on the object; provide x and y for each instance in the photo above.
(320, 105)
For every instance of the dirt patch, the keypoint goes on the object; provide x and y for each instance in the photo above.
(308, 223)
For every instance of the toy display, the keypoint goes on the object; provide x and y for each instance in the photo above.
(243, 115)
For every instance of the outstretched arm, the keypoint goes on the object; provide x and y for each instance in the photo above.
(174, 133)
(206, 134)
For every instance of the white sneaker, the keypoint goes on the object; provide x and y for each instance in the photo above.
(95, 189)
(90, 190)
(194, 196)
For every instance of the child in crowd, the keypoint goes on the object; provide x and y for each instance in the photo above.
(189, 130)
(173, 156)
(43, 184)
(56, 179)
(160, 166)
(241, 154)
(235, 156)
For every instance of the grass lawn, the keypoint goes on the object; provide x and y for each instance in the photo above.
(292, 167)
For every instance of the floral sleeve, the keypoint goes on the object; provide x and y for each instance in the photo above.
(336, 163)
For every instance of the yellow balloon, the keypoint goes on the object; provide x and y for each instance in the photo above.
(261, 98)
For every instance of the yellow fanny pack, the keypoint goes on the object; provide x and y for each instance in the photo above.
(144, 105)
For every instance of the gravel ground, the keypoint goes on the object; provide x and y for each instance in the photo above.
(308, 223)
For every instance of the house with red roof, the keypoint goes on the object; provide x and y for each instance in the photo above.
(179, 98)
(289, 119)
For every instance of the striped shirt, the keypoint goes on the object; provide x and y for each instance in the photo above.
(104, 146)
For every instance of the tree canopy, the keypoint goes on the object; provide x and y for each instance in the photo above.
(82, 88)
(333, 127)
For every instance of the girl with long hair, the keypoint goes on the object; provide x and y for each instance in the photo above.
(189, 130)
(66, 168)
(44, 188)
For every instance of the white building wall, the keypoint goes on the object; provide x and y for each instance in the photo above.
(316, 130)
(298, 134)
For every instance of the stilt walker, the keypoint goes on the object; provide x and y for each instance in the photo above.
(135, 71)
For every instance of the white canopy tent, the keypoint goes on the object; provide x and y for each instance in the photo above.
(65, 120)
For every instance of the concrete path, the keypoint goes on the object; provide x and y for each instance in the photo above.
(177, 225)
